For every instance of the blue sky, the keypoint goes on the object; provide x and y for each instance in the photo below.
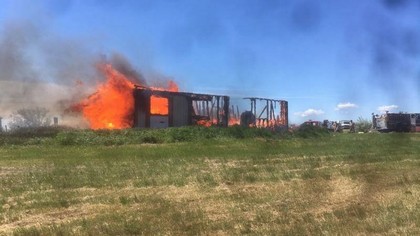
(330, 59)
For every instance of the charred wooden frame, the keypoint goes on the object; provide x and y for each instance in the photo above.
(268, 117)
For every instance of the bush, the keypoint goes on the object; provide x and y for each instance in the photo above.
(363, 125)
(30, 118)
(31, 135)
(148, 136)
(67, 136)
(40, 132)
(180, 134)
(241, 132)
(310, 131)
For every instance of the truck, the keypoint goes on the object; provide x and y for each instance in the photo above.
(396, 122)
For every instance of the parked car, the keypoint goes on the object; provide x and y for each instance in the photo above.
(345, 125)
(313, 123)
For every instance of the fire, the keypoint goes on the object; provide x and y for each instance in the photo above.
(112, 105)
(205, 123)
(159, 105)
(234, 121)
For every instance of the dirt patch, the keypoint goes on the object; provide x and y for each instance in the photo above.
(340, 193)
(54, 217)
(10, 171)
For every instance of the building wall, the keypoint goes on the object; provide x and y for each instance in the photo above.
(159, 121)
(141, 109)
(180, 111)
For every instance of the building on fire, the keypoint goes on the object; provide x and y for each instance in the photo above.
(161, 109)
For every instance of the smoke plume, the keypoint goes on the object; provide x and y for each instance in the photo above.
(120, 63)
(41, 69)
(395, 50)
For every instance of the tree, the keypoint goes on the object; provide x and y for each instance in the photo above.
(363, 125)
(29, 118)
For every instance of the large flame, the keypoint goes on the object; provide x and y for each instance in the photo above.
(112, 105)
(159, 105)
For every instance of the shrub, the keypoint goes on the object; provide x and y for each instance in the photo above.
(363, 125)
(183, 134)
(310, 131)
(66, 138)
(30, 118)
(40, 132)
(69, 136)
(152, 137)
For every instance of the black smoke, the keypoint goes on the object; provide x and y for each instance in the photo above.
(394, 50)
(306, 16)
(121, 64)
(395, 4)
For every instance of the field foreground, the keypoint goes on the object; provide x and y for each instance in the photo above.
(343, 184)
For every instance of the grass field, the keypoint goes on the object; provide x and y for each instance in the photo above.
(217, 185)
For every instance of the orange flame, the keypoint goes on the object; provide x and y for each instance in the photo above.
(206, 123)
(112, 105)
(159, 105)
(234, 121)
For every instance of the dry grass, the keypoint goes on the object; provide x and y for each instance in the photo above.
(238, 187)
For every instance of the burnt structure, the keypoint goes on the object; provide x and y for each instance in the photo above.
(274, 113)
(179, 109)
(397, 122)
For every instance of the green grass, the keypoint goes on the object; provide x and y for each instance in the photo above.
(209, 181)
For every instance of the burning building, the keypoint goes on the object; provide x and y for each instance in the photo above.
(161, 109)
(274, 113)
(121, 102)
